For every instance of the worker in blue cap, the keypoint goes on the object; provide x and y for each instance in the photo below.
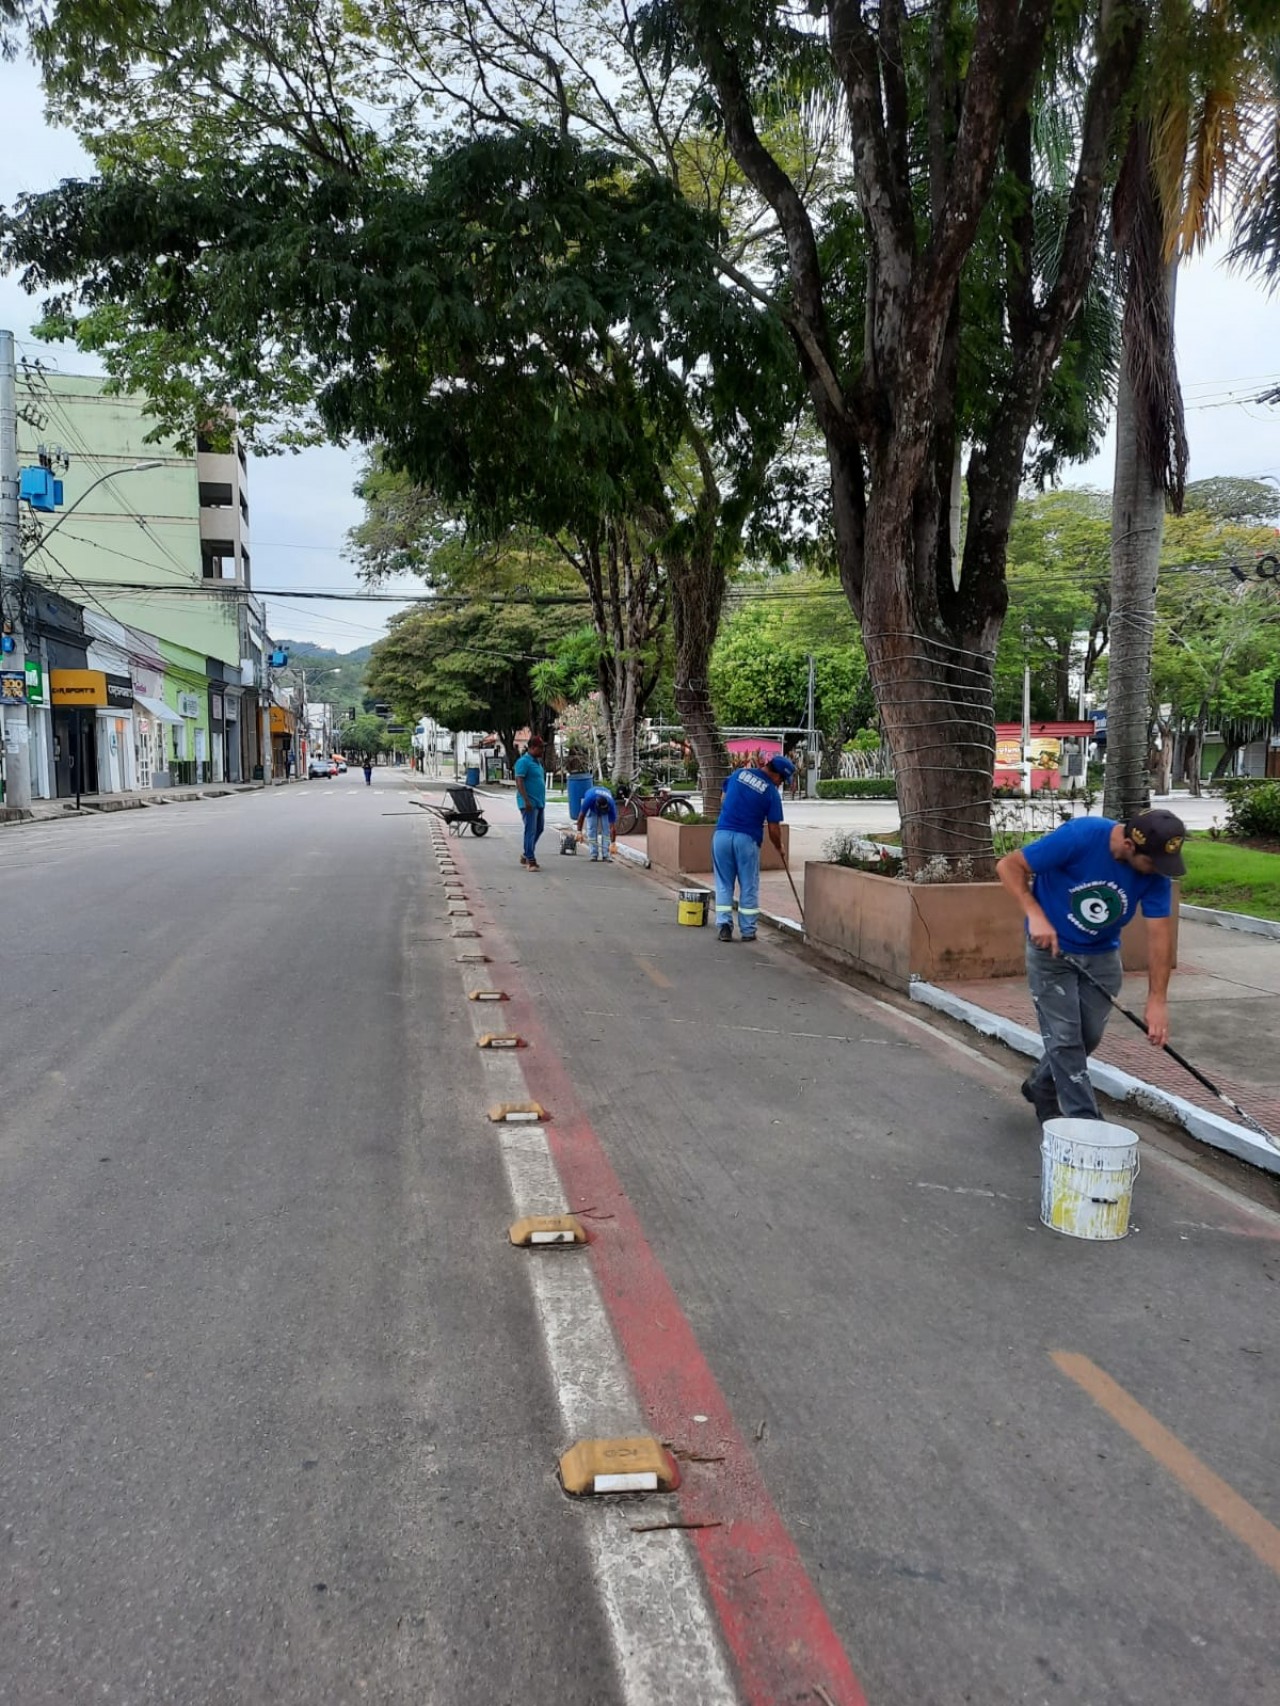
(751, 803)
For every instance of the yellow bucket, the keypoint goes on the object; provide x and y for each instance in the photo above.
(690, 912)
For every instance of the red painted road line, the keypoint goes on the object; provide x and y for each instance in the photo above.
(774, 1622)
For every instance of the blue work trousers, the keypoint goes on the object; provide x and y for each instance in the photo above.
(534, 818)
(597, 826)
(1073, 1015)
(736, 858)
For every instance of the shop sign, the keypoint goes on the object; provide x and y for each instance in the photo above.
(188, 705)
(84, 689)
(35, 682)
(119, 693)
(13, 686)
(215, 707)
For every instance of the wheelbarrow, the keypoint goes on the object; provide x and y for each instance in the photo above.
(461, 813)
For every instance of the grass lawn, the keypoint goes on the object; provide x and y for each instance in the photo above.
(1235, 879)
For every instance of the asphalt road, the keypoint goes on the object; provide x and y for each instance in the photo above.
(277, 1419)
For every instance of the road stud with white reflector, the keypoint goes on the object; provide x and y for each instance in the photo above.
(500, 1039)
(471, 959)
(488, 995)
(518, 1113)
(540, 1229)
(635, 1465)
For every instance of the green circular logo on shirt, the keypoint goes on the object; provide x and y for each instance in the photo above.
(1097, 906)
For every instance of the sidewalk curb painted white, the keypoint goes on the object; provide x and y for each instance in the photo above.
(1123, 1086)
(1232, 921)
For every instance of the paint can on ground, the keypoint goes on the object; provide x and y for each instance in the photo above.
(568, 841)
(692, 905)
(1087, 1172)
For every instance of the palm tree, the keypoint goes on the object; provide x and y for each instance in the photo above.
(1207, 89)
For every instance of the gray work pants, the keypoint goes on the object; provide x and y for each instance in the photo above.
(1073, 1016)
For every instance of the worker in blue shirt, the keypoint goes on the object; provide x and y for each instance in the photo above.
(751, 803)
(599, 808)
(1078, 887)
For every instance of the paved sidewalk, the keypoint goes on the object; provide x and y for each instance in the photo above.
(92, 805)
(1223, 999)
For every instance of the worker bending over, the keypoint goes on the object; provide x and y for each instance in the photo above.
(598, 808)
(751, 803)
(1078, 887)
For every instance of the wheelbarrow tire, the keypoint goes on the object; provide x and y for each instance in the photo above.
(479, 827)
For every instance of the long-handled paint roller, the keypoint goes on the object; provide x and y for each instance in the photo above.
(792, 881)
(1186, 1065)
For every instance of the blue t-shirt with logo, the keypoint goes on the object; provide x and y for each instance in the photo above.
(750, 800)
(1086, 893)
(600, 801)
(534, 778)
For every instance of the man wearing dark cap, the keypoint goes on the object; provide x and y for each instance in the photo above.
(1078, 888)
(531, 791)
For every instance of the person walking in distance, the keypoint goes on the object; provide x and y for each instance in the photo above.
(599, 808)
(368, 773)
(531, 791)
(752, 803)
(1078, 887)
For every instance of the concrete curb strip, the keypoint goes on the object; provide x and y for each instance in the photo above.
(1243, 921)
(1123, 1086)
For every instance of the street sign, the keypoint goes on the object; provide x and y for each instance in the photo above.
(35, 682)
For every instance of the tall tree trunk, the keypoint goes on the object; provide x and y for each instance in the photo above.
(697, 583)
(1137, 530)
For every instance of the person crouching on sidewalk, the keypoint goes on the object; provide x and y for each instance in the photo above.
(751, 803)
(599, 808)
(1078, 887)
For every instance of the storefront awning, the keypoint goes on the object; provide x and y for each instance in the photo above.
(156, 708)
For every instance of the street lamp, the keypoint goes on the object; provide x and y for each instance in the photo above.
(111, 474)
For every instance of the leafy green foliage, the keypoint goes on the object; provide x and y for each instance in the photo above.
(760, 666)
(361, 738)
(468, 668)
(334, 678)
(1253, 810)
(858, 788)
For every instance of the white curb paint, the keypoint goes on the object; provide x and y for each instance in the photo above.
(665, 1639)
(1231, 921)
(1123, 1086)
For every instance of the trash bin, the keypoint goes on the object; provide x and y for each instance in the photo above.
(473, 776)
(579, 787)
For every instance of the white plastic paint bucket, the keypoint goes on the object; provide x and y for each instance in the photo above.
(1086, 1181)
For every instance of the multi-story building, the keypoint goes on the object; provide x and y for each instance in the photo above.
(153, 544)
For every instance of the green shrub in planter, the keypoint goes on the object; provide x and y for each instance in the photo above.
(858, 788)
(1253, 809)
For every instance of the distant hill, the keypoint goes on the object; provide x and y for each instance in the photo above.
(332, 676)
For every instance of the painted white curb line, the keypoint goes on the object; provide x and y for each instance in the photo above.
(665, 1639)
(1232, 921)
(1123, 1086)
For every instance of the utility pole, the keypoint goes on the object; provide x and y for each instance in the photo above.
(17, 723)
(811, 747)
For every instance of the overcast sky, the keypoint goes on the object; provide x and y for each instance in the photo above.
(302, 506)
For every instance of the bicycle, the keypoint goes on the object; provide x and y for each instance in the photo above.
(632, 807)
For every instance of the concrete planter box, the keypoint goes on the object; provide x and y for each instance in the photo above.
(676, 847)
(941, 932)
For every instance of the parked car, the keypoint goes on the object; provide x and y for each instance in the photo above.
(342, 765)
(320, 767)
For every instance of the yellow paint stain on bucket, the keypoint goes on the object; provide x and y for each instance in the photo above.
(1087, 1172)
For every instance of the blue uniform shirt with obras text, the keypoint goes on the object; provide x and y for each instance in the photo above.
(750, 800)
(1086, 893)
(534, 779)
(601, 802)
